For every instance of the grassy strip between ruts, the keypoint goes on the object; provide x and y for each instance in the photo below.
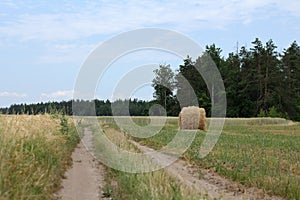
(150, 185)
(265, 156)
(34, 153)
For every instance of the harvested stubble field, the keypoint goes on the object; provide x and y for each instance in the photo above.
(258, 152)
(34, 153)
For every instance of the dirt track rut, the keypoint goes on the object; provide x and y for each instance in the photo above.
(207, 182)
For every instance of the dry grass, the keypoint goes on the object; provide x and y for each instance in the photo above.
(33, 155)
(29, 126)
(152, 185)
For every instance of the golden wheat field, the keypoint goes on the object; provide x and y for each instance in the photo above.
(34, 153)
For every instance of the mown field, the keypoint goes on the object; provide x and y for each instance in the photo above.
(262, 152)
(34, 153)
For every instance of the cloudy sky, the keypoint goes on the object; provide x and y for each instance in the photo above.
(44, 43)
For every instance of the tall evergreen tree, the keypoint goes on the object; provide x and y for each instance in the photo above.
(290, 81)
(188, 83)
(271, 76)
(257, 53)
(247, 93)
(232, 78)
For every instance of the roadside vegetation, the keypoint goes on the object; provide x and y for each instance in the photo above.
(35, 151)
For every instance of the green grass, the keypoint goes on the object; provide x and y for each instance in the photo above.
(261, 152)
(263, 156)
(34, 154)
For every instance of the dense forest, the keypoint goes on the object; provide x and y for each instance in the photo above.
(258, 81)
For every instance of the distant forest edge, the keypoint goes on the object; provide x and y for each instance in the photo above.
(259, 81)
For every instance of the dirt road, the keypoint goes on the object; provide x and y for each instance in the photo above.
(85, 179)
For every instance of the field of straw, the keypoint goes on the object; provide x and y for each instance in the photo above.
(34, 153)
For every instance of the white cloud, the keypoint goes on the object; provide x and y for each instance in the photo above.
(61, 94)
(64, 31)
(12, 94)
(115, 16)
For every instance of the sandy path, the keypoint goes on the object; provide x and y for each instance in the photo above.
(207, 182)
(86, 177)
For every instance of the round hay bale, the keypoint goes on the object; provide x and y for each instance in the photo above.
(202, 120)
(179, 121)
(192, 118)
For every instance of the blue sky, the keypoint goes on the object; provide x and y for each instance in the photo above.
(44, 43)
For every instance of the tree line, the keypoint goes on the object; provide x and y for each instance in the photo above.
(258, 81)
(83, 108)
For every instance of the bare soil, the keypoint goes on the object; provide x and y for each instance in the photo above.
(207, 182)
(85, 179)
